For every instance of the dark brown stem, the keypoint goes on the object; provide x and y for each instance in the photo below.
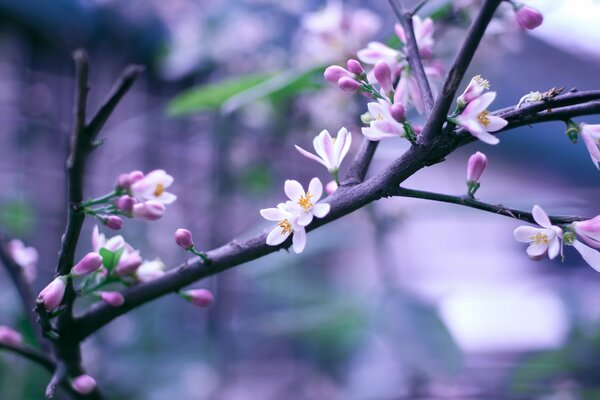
(362, 160)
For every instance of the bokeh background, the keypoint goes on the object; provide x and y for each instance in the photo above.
(404, 299)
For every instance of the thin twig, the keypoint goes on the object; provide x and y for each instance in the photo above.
(32, 354)
(360, 164)
(58, 377)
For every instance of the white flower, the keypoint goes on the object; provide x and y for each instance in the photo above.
(474, 90)
(130, 258)
(150, 270)
(383, 125)
(152, 187)
(26, 257)
(287, 224)
(477, 120)
(543, 240)
(99, 241)
(304, 204)
(330, 151)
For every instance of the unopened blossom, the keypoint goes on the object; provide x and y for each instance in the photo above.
(474, 90)
(477, 120)
(287, 224)
(150, 270)
(542, 241)
(9, 336)
(330, 151)
(589, 231)
(199, 297)
(331, 187)
(528, 17)
(125, 181)
(383, 125)
(348, 84)
(305, 204)
(113, 222)
(475, 166)
(153, 187)
(355, 67)
(591, 137)
(183, 238)
(88, 264)
(114, 299)
(383, 74)
(150, 210)
(424, 30)
(84, 384)
(334, 73)
(25, 257)
(125, 203)
(52, 295)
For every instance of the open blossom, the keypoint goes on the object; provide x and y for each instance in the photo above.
(153, 187)
(377, 51)
(26, 257)
(424, 30)
(543, 240)
(305, 204)
(150, 270)
(474, 90)
(9, 336)
(330, 151)
(53, 294)
(130, 258)
(528, 17)
(84, 384)
(386, 121)
(589, 255)
(287, 224)
(591, 137)
(477, 120)
(114, 299)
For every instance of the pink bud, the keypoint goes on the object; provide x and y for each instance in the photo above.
(398, 112)
(355, 67)
(383, 75)
(52, 294)
(114, 299)
(199, 297)
(331, 187)
(150, 210)
(475, 166)
(114, 222)
(528, 17)
(348, 84)
(84, 384)
(125, 203)
(9, 336)
(335, 72)
(123, 181)
(128, 264)
(88, 264)
(183, 238)
(135, 176)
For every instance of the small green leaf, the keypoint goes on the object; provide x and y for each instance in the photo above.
(110, 259)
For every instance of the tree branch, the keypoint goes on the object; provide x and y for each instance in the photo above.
(32, 354)
(414, 58)
(360, 164)
(480, 205)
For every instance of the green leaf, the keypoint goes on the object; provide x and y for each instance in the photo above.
(110, 259)
(212, 96)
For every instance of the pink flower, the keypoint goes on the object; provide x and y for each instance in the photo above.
(476, 166)
(26, 257)
(589, 255)
(125, 181)
(9, 336)
(53, 294)
(424, 30)
(149, 210)
(125, 203)
(199, 297)
(589, 231)
(153, 187)
(114, 299)
(383, 124)
(84, 384)
(88, 264)
(528, 17)
(473, 91)
(543, 240)
(477, 120)
(183, 238)
(330, 151)
(348, 84)
(591, 137)
(355, 67)
(331, 187)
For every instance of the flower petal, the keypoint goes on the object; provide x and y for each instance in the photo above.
(276, 236)
(541, 217)
(537, 250)
(592, 147)
(315, 187)
(273, 214)
(304, 218)
(495, 124)
(524, 233)
(321, 209)
(589, 255)
(293, 189)
(554, 248)
(299, 241)
(310, 155)
(166, 198)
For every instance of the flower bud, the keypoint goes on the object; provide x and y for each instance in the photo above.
(348, 84)
(9, 336)
(123, 181)
(383, 75)
(589, 231)
(398, 112)
(475, 166)
(84, 384)
(53, 294)
(528, 17)
(128, 264)
(150, 210)
(355, 67)
(334, 73)
(114, 299)
(331, 187)
(113, 222)
(183, 238)
(125, 203)
(88, 264)
(135, 176)
(199, 297)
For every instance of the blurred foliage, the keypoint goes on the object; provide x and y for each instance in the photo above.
(17, 217)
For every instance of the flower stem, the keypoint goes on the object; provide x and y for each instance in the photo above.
(100, 200)
(200, 254)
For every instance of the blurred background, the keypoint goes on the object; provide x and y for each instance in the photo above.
(404, 299)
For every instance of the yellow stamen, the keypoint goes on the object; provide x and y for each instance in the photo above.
(160, 188)
(379, 117)
(540, 238)
(304, 201)
(285, 226)
(483, 118)
(482, 82)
